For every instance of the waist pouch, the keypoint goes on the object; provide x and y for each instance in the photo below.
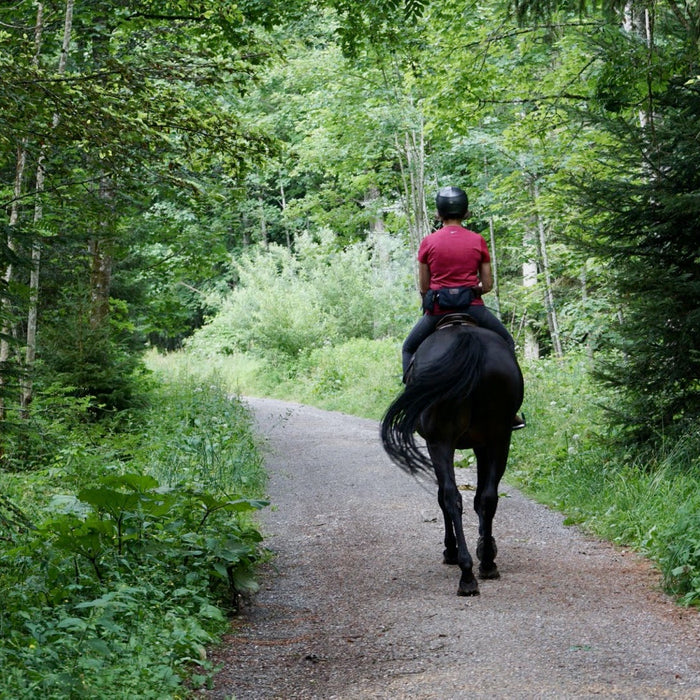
(452, 298)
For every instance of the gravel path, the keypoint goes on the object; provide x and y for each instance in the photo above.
(357, 603)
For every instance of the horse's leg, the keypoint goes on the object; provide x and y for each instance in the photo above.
(449, 555)
(450, 500)
(490, 464)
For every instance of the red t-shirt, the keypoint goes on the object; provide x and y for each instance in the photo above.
(454, 254)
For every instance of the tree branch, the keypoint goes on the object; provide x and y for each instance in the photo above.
(29, 195)
(685, 22)
(169, 18)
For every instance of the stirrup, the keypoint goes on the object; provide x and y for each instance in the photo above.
(519, 422)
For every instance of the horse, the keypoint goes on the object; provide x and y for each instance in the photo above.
(462, 391)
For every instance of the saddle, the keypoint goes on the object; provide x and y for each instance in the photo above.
(459, 318)
(456, 319)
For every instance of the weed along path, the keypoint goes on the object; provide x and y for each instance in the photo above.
(357, 603)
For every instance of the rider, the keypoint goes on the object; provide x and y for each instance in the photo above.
(457, 261)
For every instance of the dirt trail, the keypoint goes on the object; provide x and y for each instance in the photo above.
(358, 604)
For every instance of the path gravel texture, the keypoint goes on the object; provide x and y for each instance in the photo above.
(357, 602)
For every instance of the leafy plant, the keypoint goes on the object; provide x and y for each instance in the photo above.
(121, 585)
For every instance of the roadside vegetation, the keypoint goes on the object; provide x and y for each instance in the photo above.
(126, 547)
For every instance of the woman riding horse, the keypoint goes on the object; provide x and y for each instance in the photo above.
(454, 270)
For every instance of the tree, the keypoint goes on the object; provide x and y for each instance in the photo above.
(642, 209)
(651, 200)
(129, 115)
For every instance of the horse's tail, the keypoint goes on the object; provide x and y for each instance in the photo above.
(452, 376)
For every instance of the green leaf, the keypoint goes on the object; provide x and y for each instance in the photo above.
(74, 624)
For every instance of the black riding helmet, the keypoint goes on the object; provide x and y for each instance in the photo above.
(452, 203)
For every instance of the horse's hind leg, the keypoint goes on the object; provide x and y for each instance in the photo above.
(450, 500)
(450, 554)
(491, 463)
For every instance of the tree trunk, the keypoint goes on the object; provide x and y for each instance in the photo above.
(531, 349)
(552, 320)
(32, 316)
(8, 274)
(283, 201)
(494, 268)
(412, 162)
(101, 249)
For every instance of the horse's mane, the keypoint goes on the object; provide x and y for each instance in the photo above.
(450, 377)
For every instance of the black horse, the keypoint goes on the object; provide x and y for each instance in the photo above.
(463, 390)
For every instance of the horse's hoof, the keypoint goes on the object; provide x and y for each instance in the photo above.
(468, 587)
(489, 572)
(463, 591)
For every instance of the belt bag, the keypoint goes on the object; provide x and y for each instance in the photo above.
(454, 297)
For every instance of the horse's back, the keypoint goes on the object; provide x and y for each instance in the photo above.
(444, 346)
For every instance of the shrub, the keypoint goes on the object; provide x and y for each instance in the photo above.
(116, 589)
(287, 304)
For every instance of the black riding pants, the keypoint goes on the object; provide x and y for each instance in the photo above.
(427, 323)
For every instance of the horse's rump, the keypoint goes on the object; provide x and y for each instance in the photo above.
(447, 368)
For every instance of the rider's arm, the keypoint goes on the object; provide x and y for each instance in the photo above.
(486, 277)
(423, 277)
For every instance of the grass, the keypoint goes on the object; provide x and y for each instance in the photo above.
(359, 377)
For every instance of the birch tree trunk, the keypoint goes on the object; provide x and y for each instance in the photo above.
(531, 348)
(412, 164)
(494, 268)
(8, 274)
(32, 316)
(552, 320)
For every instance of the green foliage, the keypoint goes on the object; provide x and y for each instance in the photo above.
(358, 376)
(651, 197)
(566, 459)
(99, 363)
(286, 304)
(204, 437)
(679, 552)
(118, 587)
(126, 568)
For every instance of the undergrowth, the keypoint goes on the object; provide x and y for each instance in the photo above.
(121, 558)
(567, 459)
